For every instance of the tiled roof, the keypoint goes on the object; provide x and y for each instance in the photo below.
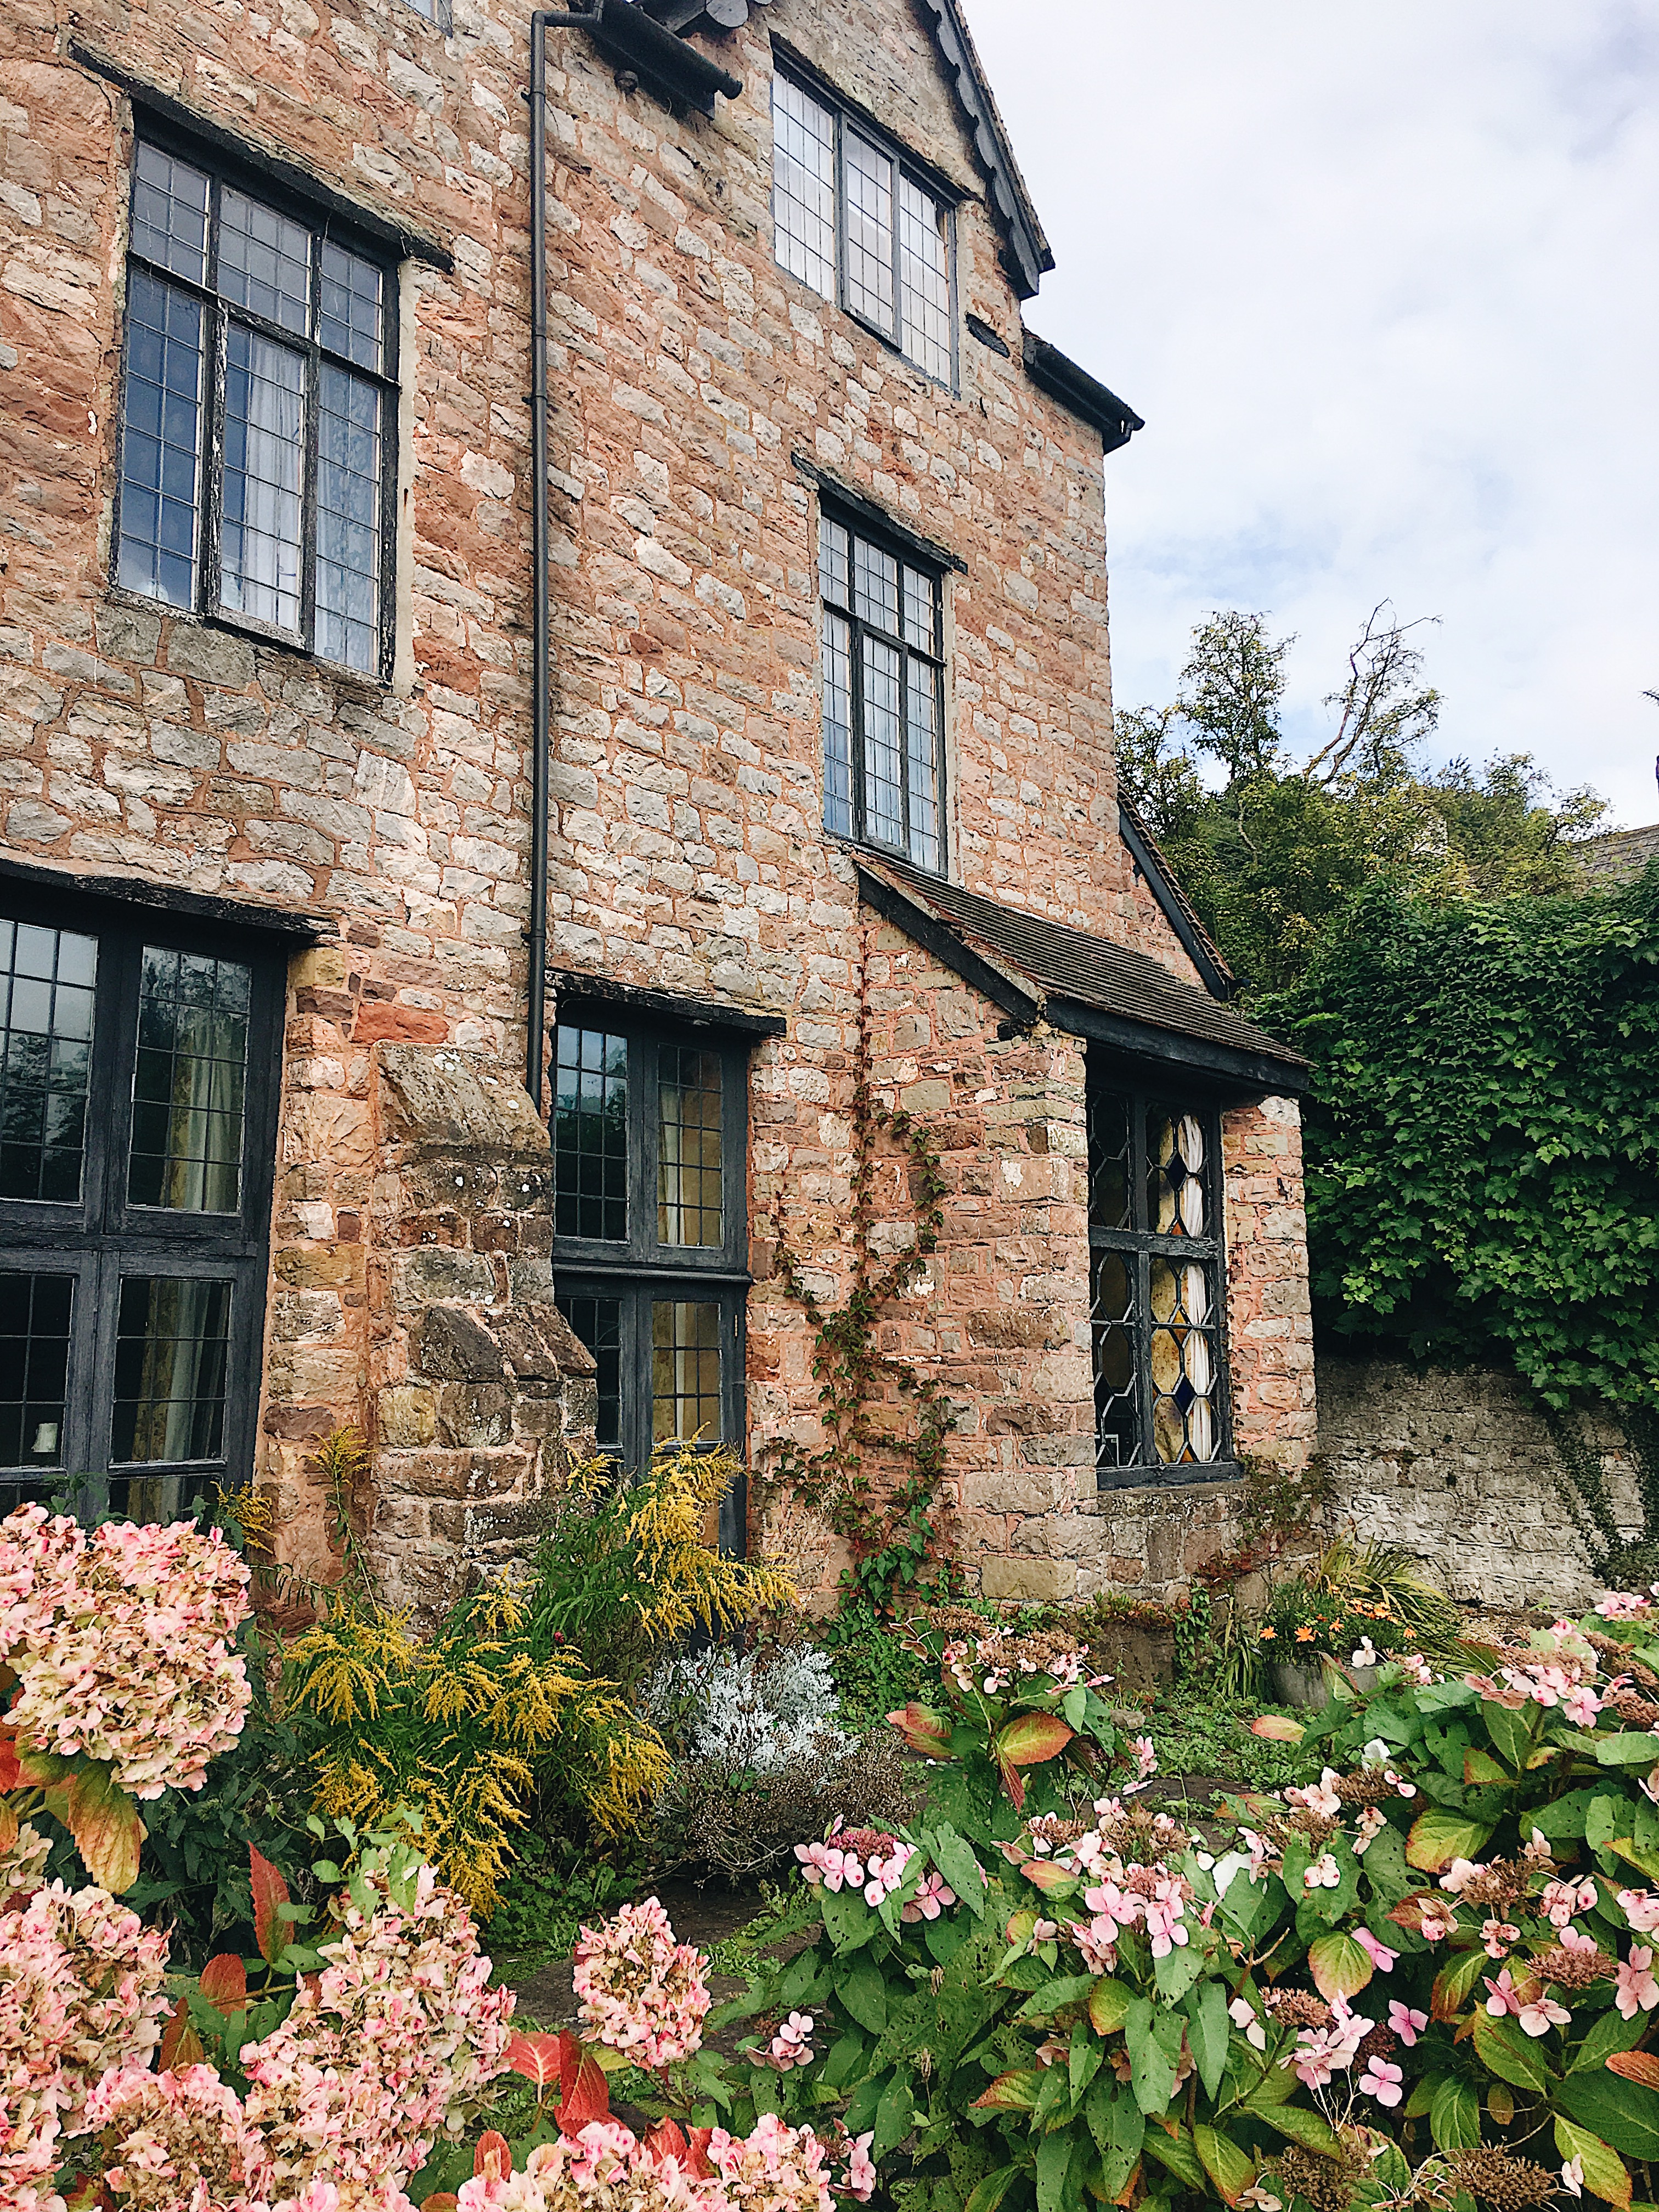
(1057, 971)
(1617, 855)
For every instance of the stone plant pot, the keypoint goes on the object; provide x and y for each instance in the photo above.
(1305, 1687)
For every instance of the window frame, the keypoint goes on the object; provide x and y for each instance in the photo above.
(907, 555)
(103, 1237)
(640, 1270)
(1140, 1246)
(923, 177)
(224, 171)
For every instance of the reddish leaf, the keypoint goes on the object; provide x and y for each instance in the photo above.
(104, 1824)
(1033, 1739)
(493, 2159)
(927, 1732)
(1010, 2093)
(586, 2099)
(9, 1825)
(1277, 1727)
(701, 2165)
(269, 1891)
(667, 2139)
(537, 2057)
(181, 2046)
(1641, 2066)
(223, 1982)
(11, 1774)
(1014, 1783)
(1044, 1874)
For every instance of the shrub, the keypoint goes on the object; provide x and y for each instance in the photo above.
(457, 1727)
(712, 1813)
(761, 1713)
(875, 1668)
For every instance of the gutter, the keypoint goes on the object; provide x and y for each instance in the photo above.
(1060, 376)
(649, 55)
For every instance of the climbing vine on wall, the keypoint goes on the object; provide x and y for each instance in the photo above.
(1482, 1147)
(888, 1519)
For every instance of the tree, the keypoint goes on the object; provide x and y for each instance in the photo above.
(1272, 857)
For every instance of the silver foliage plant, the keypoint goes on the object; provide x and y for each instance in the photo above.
(762, 1715)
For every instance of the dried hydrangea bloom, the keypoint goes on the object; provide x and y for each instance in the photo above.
(641, 1992)
(122, 1642)
(178, 2140)
(389, 2046)
(777, 2169)
(604, 2168)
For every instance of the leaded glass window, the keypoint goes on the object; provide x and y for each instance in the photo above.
(650, 1244)
(257, 414)
(852, 220)
(137, 1110)
(1155, 1269)
(882, 671)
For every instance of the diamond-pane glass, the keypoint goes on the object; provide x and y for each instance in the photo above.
(590, 1134)
(47, 979)
(804, 186)
(690, 1172)
(1114, 1330)
(188, 1083)
(1175, 1174)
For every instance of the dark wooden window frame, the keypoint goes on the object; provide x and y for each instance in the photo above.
(1140, 1246)
(926, 180)
(641, 1270)
(218, 313)
(906, 551)
(102, 1236)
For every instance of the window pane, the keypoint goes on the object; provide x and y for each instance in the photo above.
(837, 724)
(264, 435)
(161, 440)
(921, 733)
(690, 1179)
(869, 232)
(187, 1083)
(169, 213)
(804, 186)
(833, 554)
(349, 318)
(265, 262)
(35, 1312)
(1109, 1161)
(685, 1372)
(598, 1321)
(590, 1134)
(171, 1342)
(921, 611)
(883, 792)
(925, 279)
(47, 983)
(1114, 1327)
(348, 520)
(875, 587)
(1184, 1424)
(1175, 1173)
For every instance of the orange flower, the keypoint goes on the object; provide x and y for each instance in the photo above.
(1267, 1633)
(1304, 1636)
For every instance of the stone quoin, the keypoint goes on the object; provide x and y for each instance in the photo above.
(828, 758)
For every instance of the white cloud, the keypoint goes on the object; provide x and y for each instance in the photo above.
(1381, 279)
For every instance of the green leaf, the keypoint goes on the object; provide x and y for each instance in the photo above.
(1054, 2155)
(1211, 2035)
(1508, 2051)
(1438, 1836)
(1108, 2005)
(1627, 1750)
(1119, 2128)
(1455, 2116)
(990, 2190)
(954, 1857)
(1604, 2170)
(1084, 2061)
(1176, 1971)
(847, 1919)
(1623, 2113)
(864, 1993)
(843, 2061)
(895, 2115)
(1511, 1732)
(1311, 2129)
(1384, 1863)
(1229, 2167)
(1063, 1990)
(1178, 2152)
(1609, 2035)
(1480, 1768)
(1341, 1967)
(1154, 2042)
(1454, 1982)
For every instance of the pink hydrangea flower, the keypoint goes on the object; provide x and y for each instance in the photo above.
(934, 1897)
(1641, 1909)
(641, 1992)
(182, 2141)
(774, 2169)
(1405, 2023)
(1378, 1953)
(1383, 2081)
(1637, 1989)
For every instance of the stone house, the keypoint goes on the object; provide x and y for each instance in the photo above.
(337, 860)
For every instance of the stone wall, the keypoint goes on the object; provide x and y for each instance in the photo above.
(1457, 1468)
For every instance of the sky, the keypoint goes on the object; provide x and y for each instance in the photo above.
(1383, 280)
